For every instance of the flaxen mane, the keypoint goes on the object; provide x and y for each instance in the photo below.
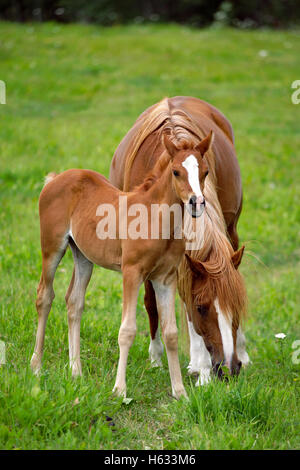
(155, 174)
(213, 248)
(223, 280)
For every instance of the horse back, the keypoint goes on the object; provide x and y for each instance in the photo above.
(207, 117)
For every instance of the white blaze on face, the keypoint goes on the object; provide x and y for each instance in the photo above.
(225, 326)
(192, 168)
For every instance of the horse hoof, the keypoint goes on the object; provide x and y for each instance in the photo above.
(204, 378)
(119, 391)
(35, 364)
(179, 394)
(193, 371)
(156, 363)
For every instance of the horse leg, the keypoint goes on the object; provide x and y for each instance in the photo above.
(241, 347)
(75, 303)
(156, 348)
(45, 296)
(165, 298)
(200, 361)
(131, 284)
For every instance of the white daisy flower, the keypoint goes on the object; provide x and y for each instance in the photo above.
(280, 335)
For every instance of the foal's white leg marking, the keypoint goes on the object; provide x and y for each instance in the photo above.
(127, 332)
(165, 299)
(241, 347)
(192, 168)
(44, 301)
(156, 350)
(200, 360)
(225, 326)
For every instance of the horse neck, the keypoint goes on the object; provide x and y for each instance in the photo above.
(157, 186)
(162, 190)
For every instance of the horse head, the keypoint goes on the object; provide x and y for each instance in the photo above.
(189, 170)
(217, 304)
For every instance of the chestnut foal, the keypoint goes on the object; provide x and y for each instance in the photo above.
(70, 204)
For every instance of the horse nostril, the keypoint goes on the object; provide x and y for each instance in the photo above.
(193, 200)
(236, 368)
(218, 369)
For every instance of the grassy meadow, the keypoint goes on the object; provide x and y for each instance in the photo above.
(72, 93)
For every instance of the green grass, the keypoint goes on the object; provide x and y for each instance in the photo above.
(72, 93)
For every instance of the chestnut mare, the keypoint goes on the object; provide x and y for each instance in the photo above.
(70, 204)
(209, 284)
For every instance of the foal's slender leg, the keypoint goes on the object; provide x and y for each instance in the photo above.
(131, 284)
(156, 348)
(165, 298)
(45, 296)
(75, 303)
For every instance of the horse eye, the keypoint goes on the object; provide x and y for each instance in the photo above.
(206, 173)
(175, 173)
(202, 309)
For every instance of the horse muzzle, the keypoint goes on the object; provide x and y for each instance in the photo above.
(223, 374)
(196, 206)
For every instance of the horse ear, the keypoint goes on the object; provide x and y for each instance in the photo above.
(170, 147)
(196, 267)
(237, 257)
(205, 144)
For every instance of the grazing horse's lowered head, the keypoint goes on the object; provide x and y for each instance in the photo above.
(217, 306)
